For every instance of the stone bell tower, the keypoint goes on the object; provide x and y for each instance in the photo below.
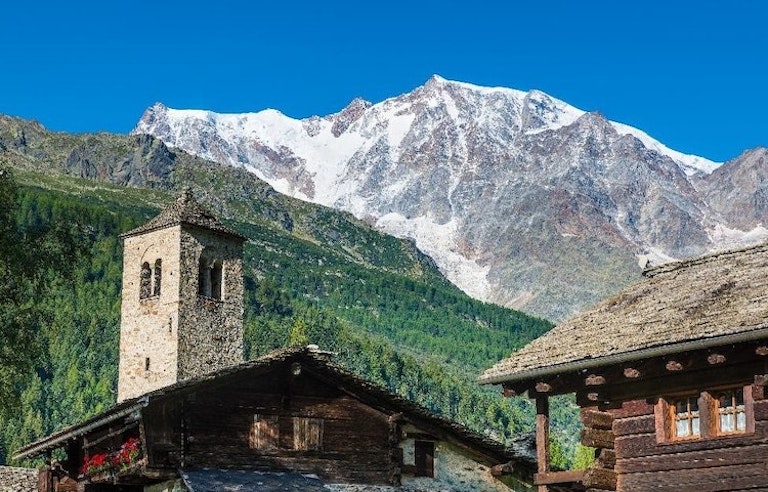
(182, 301)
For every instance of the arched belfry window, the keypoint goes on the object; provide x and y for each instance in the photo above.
(157, 276)
(216, 277)
(210, 278)
(150, 279)
(145, 285)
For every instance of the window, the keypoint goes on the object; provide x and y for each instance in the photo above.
(157, 277)
(216, 274)
(706, 415)
(210, 278)
(687, 418)
(731, 412)
(150, 278)
(424, 456)
(307, 434)
(145, 285)
(265, 432)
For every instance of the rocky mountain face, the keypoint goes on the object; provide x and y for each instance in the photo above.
(521, 199)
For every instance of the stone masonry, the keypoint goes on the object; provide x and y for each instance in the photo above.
(179, 330)
(14, 479)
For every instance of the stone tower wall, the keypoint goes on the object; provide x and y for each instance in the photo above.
(211, 330)
(149, 327)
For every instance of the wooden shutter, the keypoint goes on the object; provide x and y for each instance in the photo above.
(265, 432)
(307, 434)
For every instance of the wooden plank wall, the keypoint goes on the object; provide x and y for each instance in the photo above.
(355, 441)
(717, 464)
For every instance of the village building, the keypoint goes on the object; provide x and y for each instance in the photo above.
(670, 375)
(193, 416)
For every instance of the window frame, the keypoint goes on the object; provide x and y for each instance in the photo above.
(709, 415)
(424, 458)
(748, 411)
(211, 278)
(693, 418)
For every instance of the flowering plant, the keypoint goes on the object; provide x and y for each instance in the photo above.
(95, 464)
(129, 452)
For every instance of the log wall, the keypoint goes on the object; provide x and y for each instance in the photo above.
(597, 433)
(736, 462)
(355, 438)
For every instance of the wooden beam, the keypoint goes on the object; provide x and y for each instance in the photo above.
(542, 387)
(394, 450)
(111, 434)
(594, 380)
(714, 359)
(688, 380)
(600, 478)
(507, 391)
(542, 437)
(596, 420)
(560, 477)
(597, 438)
(673, 366)
(503, 469)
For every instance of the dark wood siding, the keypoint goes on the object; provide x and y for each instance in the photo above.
(731, 462)
(342, 439)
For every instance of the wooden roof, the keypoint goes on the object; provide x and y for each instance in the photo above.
(185, 210)
(319, 364)
(694, 304)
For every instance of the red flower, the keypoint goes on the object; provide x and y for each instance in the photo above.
(128, 453)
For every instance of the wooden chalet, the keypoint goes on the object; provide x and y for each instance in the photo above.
(293, 411)
(670, 375)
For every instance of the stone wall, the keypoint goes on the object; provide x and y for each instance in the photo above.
(210, 328)
(149, 327)
(13, 479)
(455, 470)
(178, 334)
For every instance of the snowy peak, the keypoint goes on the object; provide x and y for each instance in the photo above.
(510, 192)
(349, 115)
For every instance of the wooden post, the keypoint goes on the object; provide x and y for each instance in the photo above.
(395, 451)
(44, 479)
(542, 437)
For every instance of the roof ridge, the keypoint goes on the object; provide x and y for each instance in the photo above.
(698, 260)
(184, 210)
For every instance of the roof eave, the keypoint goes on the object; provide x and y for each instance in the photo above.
(756, 333)
(224, 231)
(58, 439)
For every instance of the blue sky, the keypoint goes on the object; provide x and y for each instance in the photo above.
(690, 73)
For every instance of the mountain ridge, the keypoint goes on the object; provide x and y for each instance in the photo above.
(520, 198)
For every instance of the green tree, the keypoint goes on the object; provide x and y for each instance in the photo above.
(27, 256)
(298, 335)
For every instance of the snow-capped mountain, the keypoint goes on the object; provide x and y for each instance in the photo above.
(520, 198)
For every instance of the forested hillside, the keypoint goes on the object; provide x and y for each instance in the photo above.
(313, 275)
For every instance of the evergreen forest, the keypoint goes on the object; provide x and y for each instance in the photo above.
(312, 275)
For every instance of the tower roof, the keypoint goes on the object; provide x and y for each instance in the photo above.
(184, 211)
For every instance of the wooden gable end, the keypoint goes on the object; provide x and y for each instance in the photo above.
(285, 419)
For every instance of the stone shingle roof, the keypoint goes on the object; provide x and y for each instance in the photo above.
(699, 303)
(14, 479)
(184, 210)
(242, 480)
